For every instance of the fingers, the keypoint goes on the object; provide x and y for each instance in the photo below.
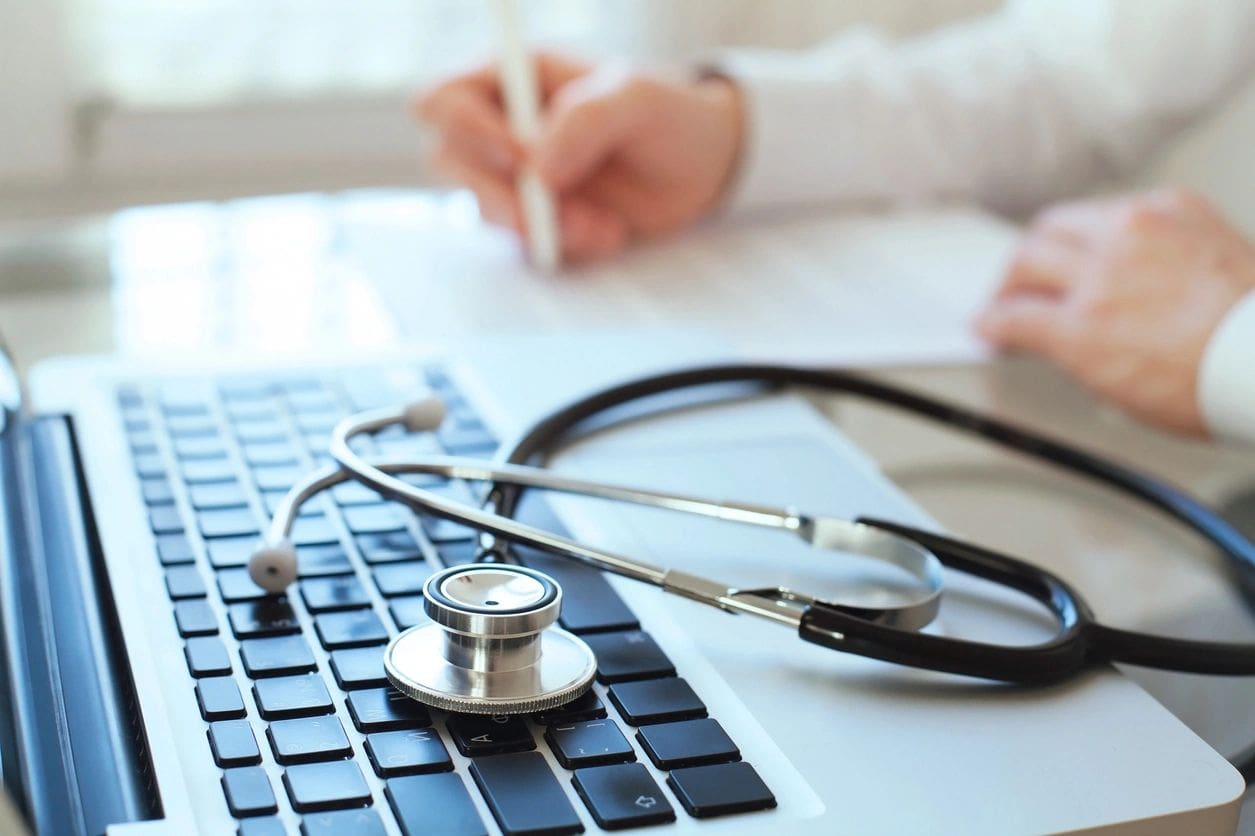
(587, 122)
(590, 232)
(498, 203)
(1026, 323)
(1044, 264)
(467, 113)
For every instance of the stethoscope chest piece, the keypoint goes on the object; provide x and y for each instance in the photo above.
(491, 647)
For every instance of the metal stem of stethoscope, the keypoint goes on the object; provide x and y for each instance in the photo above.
(776, 603)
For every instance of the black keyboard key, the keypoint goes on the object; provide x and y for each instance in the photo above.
(174, 549)
(524, 795)
(188, 448)
(720, 789)
(267, 617)
(314, 531)
(191, 426)
(628, 655)
(235, 585)
(656, 701)
(227, 522)
(203, 471)
(165, 519)
(206, 656)
(387, 548)
(623, 795)
(312, 507)
(359, 667)
(157, 491)
(283, 697)
(277, 478)
(226, 552)
(326, 786)
(687, 743)
(195, 618)
(308, 739)
(185, 582)
(592, 605)
(217, 495)
(408, 611)
(327, 594)
(591, 743)
(260, 429)
(353, 628)
(312, 400)
(384, 709)
(402, 578)
(276, 656)
(436, 803)
(407, 753)
(363, 822)
(373, 519)
(327, 559)
(479, 734)
(586, 707)
(472, 439)
(219, 698)
(270, 826)
(270, 454)
(446, 531)
(141, 440)
(150, 466)
(347, 494)
(248, 791)
(233, 743)
(458, 554)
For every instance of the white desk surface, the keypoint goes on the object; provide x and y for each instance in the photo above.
(291, 275)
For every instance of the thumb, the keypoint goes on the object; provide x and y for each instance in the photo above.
(588, 120)
(1023, 323)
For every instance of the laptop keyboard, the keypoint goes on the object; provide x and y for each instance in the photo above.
(298, 713)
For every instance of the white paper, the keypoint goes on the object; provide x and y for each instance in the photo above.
(822, 288)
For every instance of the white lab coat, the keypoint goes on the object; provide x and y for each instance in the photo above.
(1043, 100)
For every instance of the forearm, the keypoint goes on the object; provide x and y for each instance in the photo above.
(1013, 110)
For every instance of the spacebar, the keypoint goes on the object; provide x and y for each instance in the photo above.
(524, 795)
(589, 603)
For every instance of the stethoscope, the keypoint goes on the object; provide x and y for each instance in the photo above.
(492, 647)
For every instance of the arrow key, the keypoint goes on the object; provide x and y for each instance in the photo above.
(622, 795)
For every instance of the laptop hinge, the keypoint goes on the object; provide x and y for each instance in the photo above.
(81, 746)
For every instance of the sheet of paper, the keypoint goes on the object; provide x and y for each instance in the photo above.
(821, 288)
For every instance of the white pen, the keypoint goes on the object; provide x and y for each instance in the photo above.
(522, 101)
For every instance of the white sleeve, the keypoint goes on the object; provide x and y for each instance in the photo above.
(1040, 100)
(1226, 378)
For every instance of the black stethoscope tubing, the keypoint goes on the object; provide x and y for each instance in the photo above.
(1080, 641)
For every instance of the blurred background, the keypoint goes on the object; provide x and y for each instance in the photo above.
(143, 144)
(105, 103)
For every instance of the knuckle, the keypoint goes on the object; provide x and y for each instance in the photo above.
(1183, 197)
(1056, 216)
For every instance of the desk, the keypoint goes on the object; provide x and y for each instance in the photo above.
(270, 286)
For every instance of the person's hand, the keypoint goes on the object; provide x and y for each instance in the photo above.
(1124, 294)
(628, 154)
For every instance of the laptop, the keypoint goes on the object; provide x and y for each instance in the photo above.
(150, 687)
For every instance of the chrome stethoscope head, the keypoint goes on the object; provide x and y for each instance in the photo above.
(491, 647)
(504, 656)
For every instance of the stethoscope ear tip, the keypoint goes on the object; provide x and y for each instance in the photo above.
(424, 415)
(273, 566)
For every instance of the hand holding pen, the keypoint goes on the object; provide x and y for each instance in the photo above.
(626, 154)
